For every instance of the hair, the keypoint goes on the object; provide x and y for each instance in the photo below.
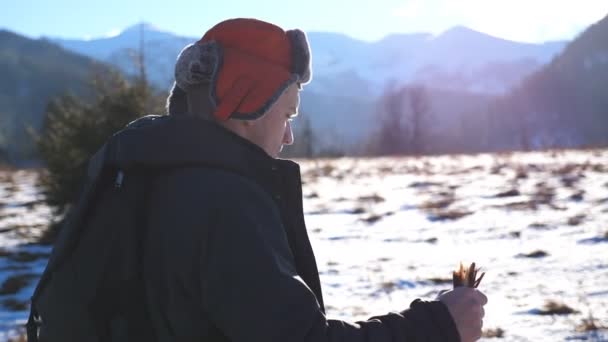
(194, 102)
(177, 101)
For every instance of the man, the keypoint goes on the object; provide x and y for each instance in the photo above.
(226, 255)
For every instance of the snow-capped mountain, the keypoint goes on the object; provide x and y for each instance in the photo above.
(350, 74)
(160, 50)
(458, 59)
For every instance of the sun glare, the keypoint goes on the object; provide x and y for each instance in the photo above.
(520, 20)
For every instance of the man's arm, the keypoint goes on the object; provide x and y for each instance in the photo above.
(252, 292)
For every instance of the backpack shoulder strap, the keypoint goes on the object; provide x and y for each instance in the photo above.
(69, 232)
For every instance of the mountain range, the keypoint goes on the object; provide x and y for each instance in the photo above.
(33, 72)
(474, 82)
(350, 75)
(564, 103)
(458, 59)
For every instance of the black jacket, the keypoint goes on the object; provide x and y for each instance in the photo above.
(227, 256)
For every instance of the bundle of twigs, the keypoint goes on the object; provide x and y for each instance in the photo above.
(464, 277)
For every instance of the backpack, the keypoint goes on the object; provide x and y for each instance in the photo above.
(91, 289)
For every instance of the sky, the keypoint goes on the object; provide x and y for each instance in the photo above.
(519, 20)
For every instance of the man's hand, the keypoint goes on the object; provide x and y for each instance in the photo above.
(466, 307)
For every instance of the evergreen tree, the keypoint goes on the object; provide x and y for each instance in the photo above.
(74, 130)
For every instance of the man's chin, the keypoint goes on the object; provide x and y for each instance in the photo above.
(278, 153)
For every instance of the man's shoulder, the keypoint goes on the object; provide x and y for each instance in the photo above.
(215, 183)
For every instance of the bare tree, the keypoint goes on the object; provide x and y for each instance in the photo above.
(402, 125)
(307, 137)
(142, 56)
(392, 132)
(303, 139)
(419, 107)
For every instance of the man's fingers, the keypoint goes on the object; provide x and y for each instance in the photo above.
(479, 297)
(478, 312)
(478, 326)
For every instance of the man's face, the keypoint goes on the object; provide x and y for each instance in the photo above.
(273, 130)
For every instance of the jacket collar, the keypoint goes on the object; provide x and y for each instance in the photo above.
(173, 141)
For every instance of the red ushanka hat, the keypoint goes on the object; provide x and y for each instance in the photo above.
(249, 63)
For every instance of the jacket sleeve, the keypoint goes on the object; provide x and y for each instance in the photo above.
(252, 292)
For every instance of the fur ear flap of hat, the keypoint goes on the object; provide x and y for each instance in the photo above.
(248, 63)
(197, 64)
(300, 52)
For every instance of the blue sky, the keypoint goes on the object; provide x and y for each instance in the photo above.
(521, 20)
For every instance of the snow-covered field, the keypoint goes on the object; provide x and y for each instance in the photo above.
(389, 230)
(23, 218)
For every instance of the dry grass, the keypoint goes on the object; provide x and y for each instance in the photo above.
(373, 218)
(439, 203)
(24, 256)
(20, 338)
(508, 193)
(12, 304)
(553, 307)
(576, 220)
(442, 215)
(497, 168)
(388, 286)
(326, 170)
(12, 187)
(566, 169)
(358, 210)
(544, 194)
(522, 205)
(570, 181)
(371, 198)
(4, 253)
(515, 234)
(538, 225)
(535, 254)
(590, 324)
(578, 196)
(14, 284)
(493, 333)
(521, 172)
(424, 184)
(440, 281)
(312, 194)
